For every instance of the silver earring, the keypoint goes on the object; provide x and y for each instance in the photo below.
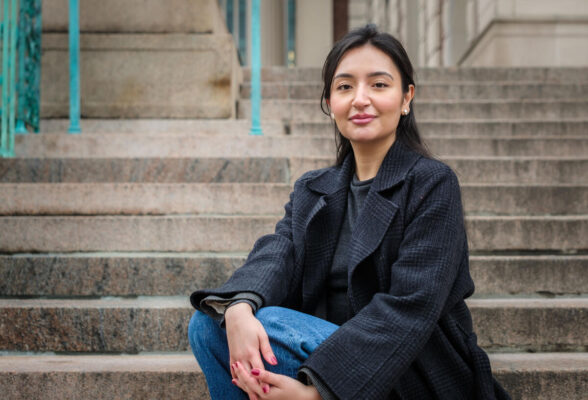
(405, 111)
(332, 115)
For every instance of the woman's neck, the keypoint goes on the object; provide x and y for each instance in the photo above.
(369, 156)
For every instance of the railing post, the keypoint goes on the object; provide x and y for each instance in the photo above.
(255, 69)
(74, 67)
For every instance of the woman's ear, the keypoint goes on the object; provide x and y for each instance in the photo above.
(408, 96)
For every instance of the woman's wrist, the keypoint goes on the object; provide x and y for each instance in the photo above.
(313, 394)
(238, 310)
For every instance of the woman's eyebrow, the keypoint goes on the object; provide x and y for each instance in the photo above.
(370, 75)
(379, 73)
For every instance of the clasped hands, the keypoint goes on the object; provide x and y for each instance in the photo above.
(248, 341)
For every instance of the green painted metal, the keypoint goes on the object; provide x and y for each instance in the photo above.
(8, 78)
(255, 69)
(29, 66)
(74, 67)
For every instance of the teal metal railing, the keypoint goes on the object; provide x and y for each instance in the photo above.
(20, 78)
(74, 67)
(8, 77)
(255, 69)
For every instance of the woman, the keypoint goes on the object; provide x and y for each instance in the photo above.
(359, 293)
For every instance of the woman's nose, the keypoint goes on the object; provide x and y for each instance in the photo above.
(361, 98)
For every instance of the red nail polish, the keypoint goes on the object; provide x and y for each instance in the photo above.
(274, 360)
(255, 372)
(265, 389)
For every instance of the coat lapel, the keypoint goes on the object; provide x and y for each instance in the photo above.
(322, 230)
(377, 212)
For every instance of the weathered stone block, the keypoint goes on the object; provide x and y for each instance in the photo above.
(148, 75)
(134, 16)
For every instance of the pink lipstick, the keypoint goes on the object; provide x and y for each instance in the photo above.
(362, 119)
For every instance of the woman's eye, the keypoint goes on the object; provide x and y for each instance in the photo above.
(380, 85)
(343, 87)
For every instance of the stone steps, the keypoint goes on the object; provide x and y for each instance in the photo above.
(495, 74)
(175, 274)
(505, 170)
(543, 376)
(132, 325)
(448, 110)
(437, 91)
(189, 145)
(240, 127)
(245, 198)
(466, 127)
(238, 233)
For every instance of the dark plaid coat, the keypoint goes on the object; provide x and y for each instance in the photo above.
(410, 333)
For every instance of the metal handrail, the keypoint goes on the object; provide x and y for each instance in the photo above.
(74, 67)
(255, 69)
(8, 78)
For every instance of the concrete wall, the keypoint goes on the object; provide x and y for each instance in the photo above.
(483, 32)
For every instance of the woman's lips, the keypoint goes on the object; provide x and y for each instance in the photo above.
(362, 119)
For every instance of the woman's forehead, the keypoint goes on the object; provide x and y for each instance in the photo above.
(366, 59)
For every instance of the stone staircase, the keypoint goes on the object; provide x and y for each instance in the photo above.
(104, 235)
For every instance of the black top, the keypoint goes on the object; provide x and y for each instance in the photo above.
(336, 296)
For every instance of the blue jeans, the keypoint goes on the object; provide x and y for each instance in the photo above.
(293, 336)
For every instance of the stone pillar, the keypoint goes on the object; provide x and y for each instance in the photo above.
(314, 32)
(273, 46)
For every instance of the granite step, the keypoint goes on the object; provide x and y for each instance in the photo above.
(132, 325)
(189, 233)
(542, 376)
(273, 127)
(462, 74)
(151, 126)
(437, 91)
(165, 274)
(248, 198)
(448, 110)
(123, 145)
(430, 128)
(504, 170)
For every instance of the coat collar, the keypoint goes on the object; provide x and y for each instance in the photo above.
(396, 164)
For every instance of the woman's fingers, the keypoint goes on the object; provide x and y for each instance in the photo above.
(268, 377)
(266, 349)
(246, 381)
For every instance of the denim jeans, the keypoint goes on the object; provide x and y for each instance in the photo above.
(293, 336)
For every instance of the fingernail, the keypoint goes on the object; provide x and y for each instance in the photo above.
(266, 389)
(234, 366)
(234, 381)
(274, 360)
(255, 371)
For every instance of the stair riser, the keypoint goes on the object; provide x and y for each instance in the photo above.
(158, 199)
(132, 330)
(502, 171)
(510, 74)
(310, 110)
(106, 385)
(190, 383)
(104, 146)
(269, 170)
(484, 129)
(176, 170)
(531, 275)
(430, 91)
(193, 234)
(62, 276)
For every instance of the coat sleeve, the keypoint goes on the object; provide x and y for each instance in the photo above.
(364, 358)
(268, 271)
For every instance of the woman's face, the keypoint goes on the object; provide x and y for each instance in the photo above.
(366, 96)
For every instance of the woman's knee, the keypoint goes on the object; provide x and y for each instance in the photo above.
(201, 329)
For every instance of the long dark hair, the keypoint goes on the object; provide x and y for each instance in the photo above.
(407, 131)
